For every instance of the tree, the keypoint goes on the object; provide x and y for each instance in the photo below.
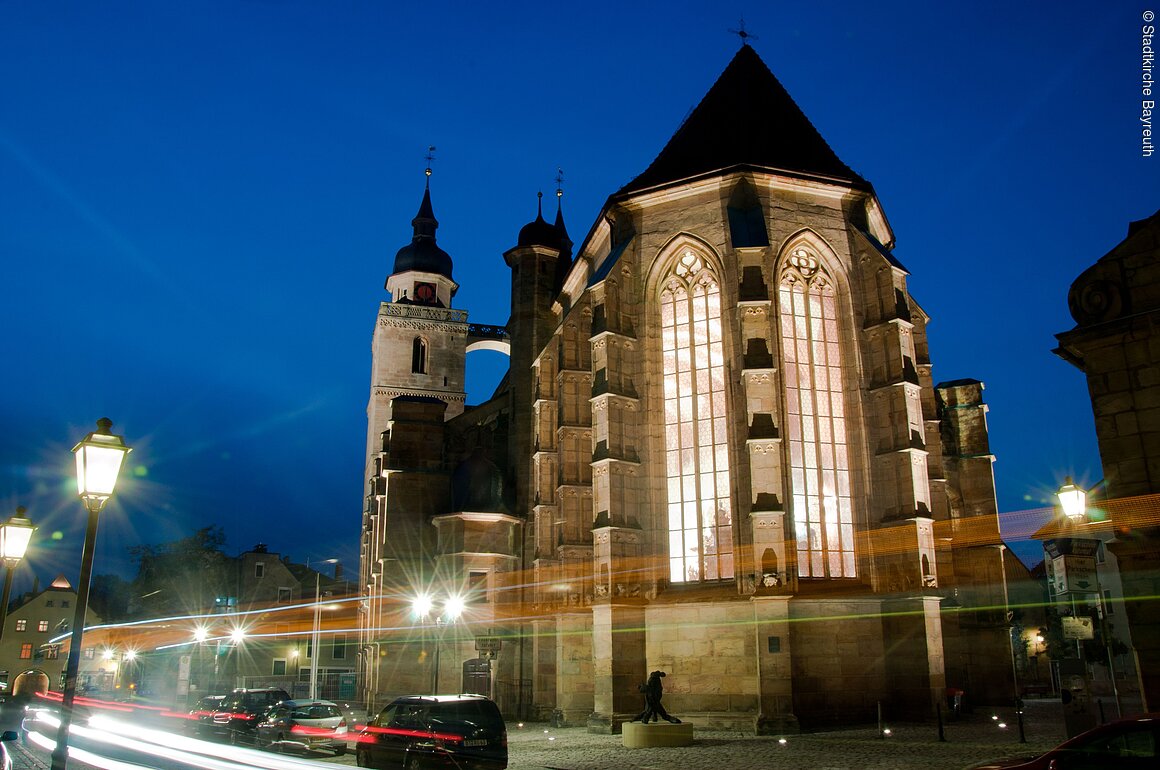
(109, 597)
(182, 577)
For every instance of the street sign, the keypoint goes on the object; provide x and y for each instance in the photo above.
(1077, 627)
(1074, 574)
(489, 644)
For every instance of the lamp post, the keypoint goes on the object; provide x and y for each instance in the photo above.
(99, 457)
(14, 537)
(316, 631)
(1073, 500)
(452, 608)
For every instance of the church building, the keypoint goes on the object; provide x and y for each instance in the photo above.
(719, 452)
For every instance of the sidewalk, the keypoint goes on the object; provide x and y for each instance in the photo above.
(972, 739)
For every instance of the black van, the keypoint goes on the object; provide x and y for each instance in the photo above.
(238, 716)
(435, 731)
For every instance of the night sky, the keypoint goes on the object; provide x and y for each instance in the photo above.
(200, 201)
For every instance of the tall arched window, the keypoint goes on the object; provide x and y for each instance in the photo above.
(700, 519)
(419, 356)
(816, 419)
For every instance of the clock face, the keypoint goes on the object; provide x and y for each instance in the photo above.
(425, 293)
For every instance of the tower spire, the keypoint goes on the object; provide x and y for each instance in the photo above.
(430, 158)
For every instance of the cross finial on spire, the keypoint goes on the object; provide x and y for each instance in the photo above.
(430, 158)
(559, 183)
(741, 33)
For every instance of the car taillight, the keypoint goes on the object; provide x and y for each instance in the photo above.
(342, 722)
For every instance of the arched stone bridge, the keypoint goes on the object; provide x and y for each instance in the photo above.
(488, 337)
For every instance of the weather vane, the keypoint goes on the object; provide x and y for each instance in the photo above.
(741, 33)
(430, 158)
(559, 183)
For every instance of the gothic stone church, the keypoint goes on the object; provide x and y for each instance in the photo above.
(718, 452)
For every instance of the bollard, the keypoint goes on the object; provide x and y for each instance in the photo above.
(1022, 735)
(941, 735)
(880, 733)
(1100, 703)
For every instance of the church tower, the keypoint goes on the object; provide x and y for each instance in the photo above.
(418, 353)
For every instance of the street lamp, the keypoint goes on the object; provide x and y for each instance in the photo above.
(14, 537)
(1073, 500)
(315, 653)
(99, 457)
(453, 607)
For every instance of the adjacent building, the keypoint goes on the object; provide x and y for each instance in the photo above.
(278, 624)
(31, 653)
(720, 451)
(1115, 343)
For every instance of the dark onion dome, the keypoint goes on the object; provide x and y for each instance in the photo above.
(477, 485)
(423, 254)
(540, 232)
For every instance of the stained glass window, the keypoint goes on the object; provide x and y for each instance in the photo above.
(816, 420)
(700, 518)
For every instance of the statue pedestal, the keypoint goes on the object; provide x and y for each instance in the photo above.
(636, 735)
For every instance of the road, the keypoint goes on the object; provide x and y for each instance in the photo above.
(536, 746)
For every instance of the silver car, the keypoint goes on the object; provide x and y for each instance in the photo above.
(301, 724)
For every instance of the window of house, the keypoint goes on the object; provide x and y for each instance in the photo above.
(52, 652)
(50, 603)
(419, 356)
(285, 595)
(700, 517)
(22, 625)
(279, 667)
(338, 647)
(477, 586)
(89, 653)
(259, 569)
(26, 651)
(64, 603)
(42, 625)
(816, 421)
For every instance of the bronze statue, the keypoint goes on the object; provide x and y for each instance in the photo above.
(653, 690)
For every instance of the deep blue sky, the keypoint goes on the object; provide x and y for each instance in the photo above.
(199, 202)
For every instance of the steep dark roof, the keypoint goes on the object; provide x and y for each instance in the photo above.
(422, 253)
(746, 119)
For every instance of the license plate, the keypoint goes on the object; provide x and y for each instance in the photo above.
(476, 742)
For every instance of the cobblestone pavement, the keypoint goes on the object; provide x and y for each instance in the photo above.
(974, 738)
(910, 746)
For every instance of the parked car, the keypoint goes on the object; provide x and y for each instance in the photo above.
(305, 723)
(427, 731)
(241, 711)
(1124, 743)
(201, 715)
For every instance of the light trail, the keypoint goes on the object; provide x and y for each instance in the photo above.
(154, 745)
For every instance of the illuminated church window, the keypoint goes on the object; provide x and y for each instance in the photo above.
(816, 424)
(700, 518)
